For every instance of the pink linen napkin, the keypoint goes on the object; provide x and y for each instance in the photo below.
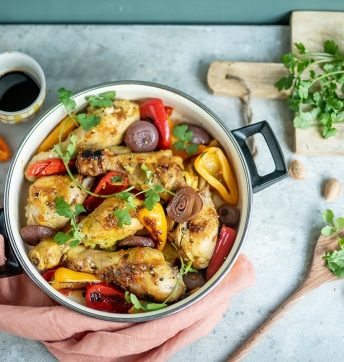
(26, 311)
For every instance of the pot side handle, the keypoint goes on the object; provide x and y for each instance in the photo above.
(12, 266)
(261, 182)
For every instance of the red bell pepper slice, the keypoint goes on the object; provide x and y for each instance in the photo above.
(111, 183)
(4, 151)
(223, 246)
(49, 273)
(154, 111)
(106, 298)
(51, 166)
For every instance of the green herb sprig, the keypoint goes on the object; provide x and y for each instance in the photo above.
(185, 137)
(147, 306)
(325, 107)
(64, 209)
(335, 259)
(151, 198)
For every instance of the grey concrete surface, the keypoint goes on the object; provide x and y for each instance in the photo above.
(286, 217)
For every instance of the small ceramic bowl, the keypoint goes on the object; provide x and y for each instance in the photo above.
(11, 61)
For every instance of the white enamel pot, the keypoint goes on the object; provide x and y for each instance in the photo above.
(12, 217)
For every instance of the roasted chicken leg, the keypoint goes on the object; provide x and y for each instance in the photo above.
(41, 210)
(165, 169)
(141, 270)
(196, 239)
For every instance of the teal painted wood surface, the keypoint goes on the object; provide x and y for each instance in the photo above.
(157, 11)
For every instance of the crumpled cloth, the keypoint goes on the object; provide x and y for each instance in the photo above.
(2, 251)
(26, 311)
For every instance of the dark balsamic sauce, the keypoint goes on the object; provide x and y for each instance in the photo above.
(18, 90)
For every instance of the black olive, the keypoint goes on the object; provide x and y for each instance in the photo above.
(132, 241)
(200, 135)
(194, 280)
(33, 234)
(229, 215)
(142, 136)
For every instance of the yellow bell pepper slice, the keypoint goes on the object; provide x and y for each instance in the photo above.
(53, 138)
(64, 275)
(213, 166)
(155, 222)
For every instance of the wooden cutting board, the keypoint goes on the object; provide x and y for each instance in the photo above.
(312, 28)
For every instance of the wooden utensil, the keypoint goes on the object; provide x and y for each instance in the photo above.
(317, 275)
(321, 26)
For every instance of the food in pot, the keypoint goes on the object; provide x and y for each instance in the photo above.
(130, 218)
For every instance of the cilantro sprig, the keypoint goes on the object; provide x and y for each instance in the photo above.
(151, 198)
(102, 100)
(324, 107)
(64, 209)
(147, 306)
(86, 121)
(152, 193)
(185, 136)
(335, 259)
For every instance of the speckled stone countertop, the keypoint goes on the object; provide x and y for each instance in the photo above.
(286, 216)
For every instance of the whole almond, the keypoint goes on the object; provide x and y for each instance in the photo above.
(297, 170)
(333, 189)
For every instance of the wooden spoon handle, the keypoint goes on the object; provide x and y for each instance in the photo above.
(270, 323)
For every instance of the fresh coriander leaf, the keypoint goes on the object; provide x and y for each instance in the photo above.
(335, 262)
(301, 48)
(303, 65)
(339, 224)
(123, 217)
(329, 67)
(79, 209)
(341, 242)
(188, 136)
(135, 301)
(328, 216)
(285, 82)
(318, 99)
(88, 122)
(74, 243)
(289, 60)
(127, 297)
(303, 120)
(335, 104)
(146, 170)
(179, 145)
(58, 150)
(99, 102)
(151, 199)
(191, 149)
(155, 306)
(159, 188)
(61, 238)
(71, 149)
(108, 95)
(340, 80)
(340, 116)
(331, 47)
(179, 131)
(303, 88)
(64, 98)
(128, 197)
(327, 230)
(115, 179)
(329, 132)
(312, 74)
(62, 208)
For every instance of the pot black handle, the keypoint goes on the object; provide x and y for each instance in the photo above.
(261, 182)
(12, 266)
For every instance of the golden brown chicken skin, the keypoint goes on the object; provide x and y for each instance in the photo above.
(165, 169)
(196, 239)
(140, 270)
(41, 209)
